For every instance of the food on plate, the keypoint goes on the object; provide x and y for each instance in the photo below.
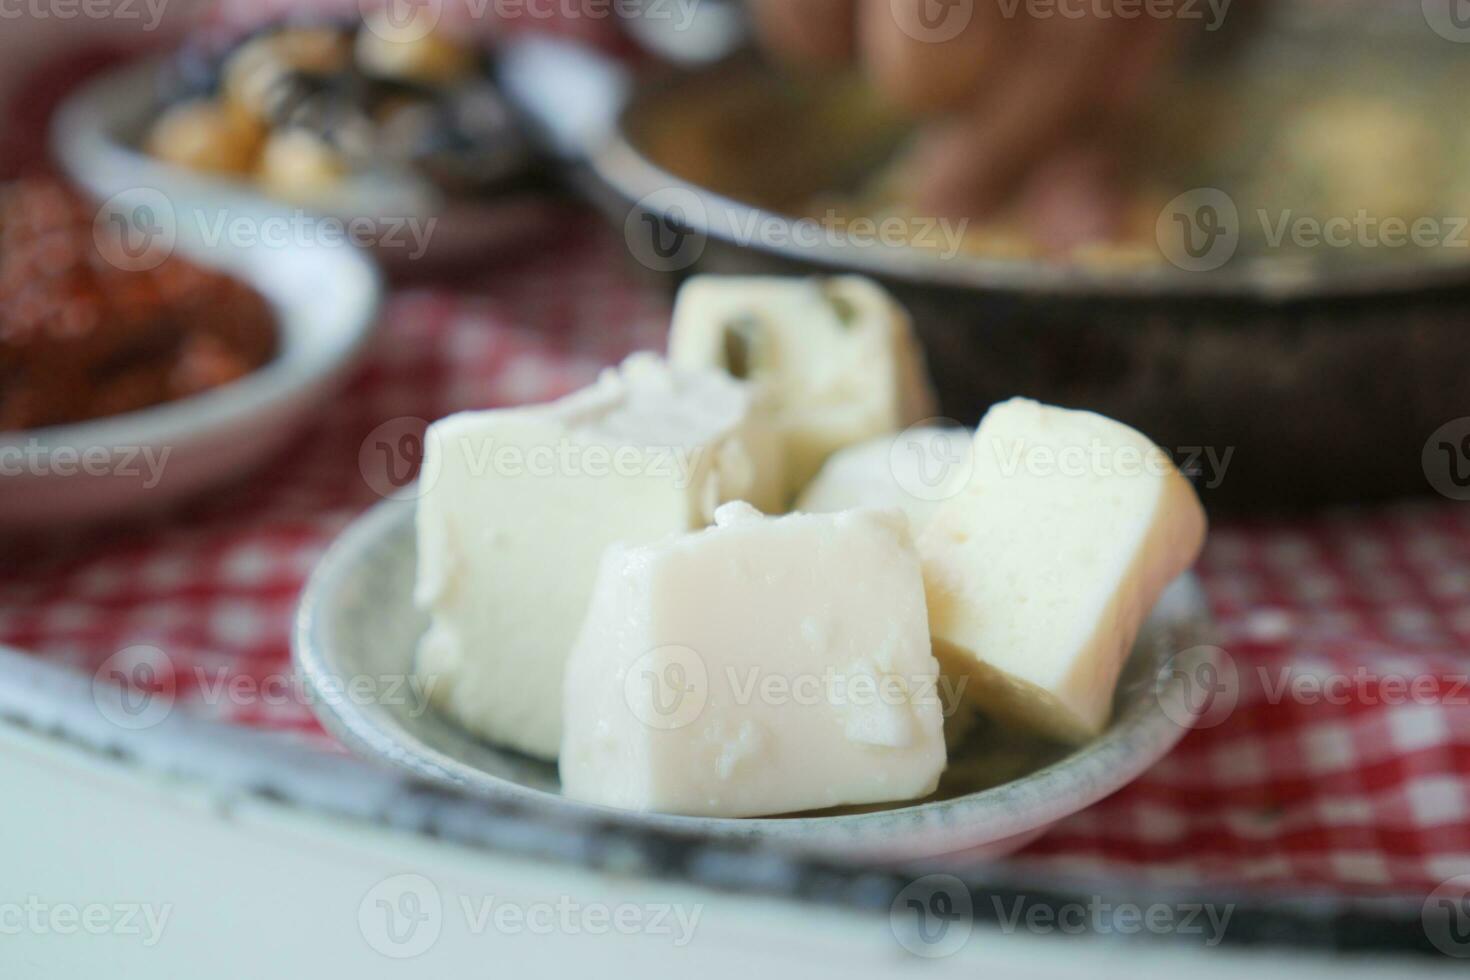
(297, 163)
(265, 74)
(1316, 144)
(777, 664)
(83, 335)
(207, 136)
(409, 48)
(916, 471)
(837, 357)
(1040, 572)
(1342, 154)
(519, 504)
(765, 665)
(303, 107)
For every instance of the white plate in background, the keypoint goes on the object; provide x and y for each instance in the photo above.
(326, 299)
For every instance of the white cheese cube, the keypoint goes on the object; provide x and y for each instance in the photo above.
(762, 666)
(916, 471)
(838, 357)
(518, 505)
(1040, 573)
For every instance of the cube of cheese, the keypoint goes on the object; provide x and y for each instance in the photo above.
(518, 505)
(916, 471)
(838, 356)
(762, 666)
(1040, 573)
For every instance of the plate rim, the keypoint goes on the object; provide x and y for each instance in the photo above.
(1056, 790)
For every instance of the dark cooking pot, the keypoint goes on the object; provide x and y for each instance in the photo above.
(1308, 381)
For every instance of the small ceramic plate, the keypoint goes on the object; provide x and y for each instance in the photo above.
(357, 624)
(325, 297)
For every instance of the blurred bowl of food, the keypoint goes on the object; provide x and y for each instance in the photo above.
(396, 131)
(1289, 238)
(141, 364)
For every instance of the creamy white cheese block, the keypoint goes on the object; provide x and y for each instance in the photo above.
(838, 357)
(762, 666)
(915, 470)
(1041, 572)
(518, 505)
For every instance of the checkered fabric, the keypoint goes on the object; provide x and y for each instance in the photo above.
(1345, 761)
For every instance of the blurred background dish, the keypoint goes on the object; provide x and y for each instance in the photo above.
(189, 363)
(90, 328)
(341, 117)
(1213, 342)
(1198, 313)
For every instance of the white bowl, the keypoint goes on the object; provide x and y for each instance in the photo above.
(357, 621)
(326, 299)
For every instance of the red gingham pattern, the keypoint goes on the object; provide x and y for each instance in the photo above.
(1370, 792)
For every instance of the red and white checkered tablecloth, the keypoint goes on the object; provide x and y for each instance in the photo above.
(1345, 762)
(1352, 783)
